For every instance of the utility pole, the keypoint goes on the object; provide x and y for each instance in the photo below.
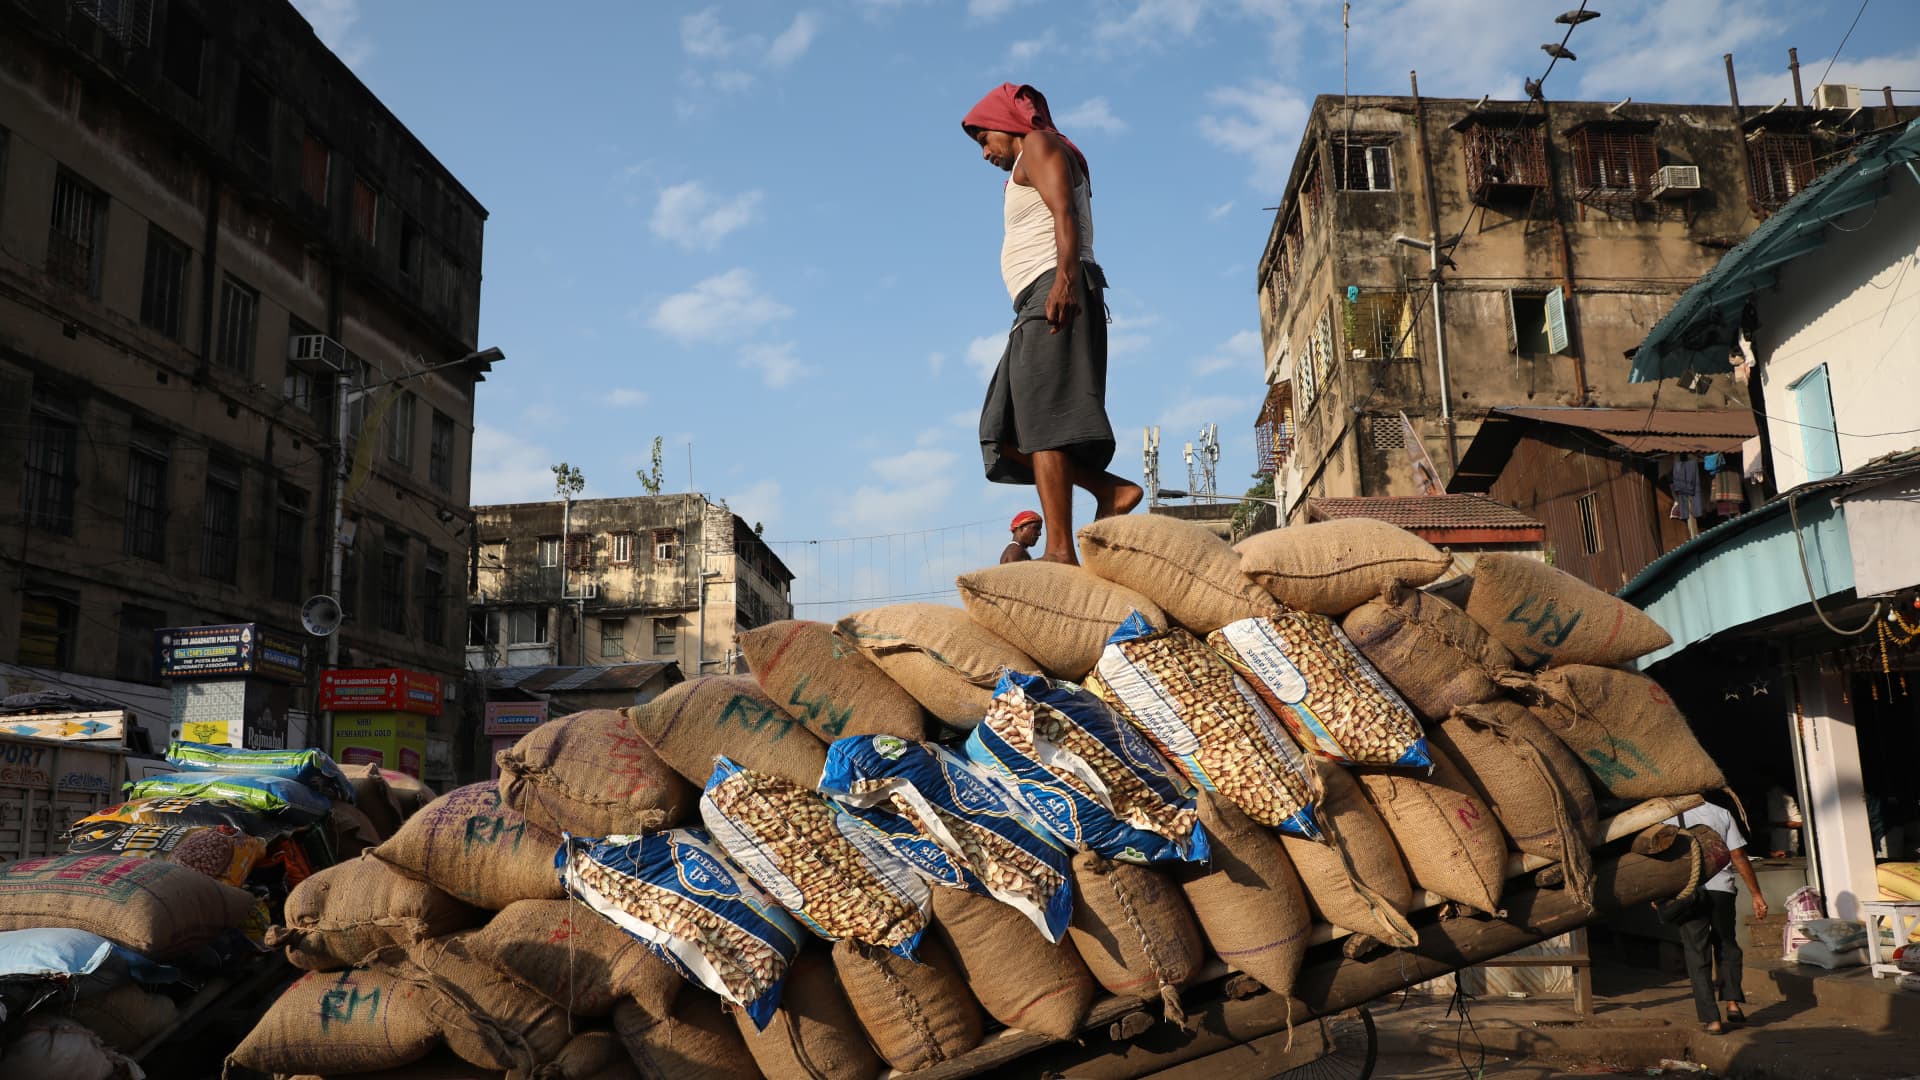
(567, 483)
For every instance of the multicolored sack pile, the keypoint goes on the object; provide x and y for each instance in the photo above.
(923, 821)
(101, 945)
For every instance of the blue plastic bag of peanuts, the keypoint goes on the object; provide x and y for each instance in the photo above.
(959, 825)
(1087, 774)
(678, 893)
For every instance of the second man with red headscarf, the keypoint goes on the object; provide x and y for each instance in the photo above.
(1045, 418)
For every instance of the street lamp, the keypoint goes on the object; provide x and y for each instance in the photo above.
(1434, 259)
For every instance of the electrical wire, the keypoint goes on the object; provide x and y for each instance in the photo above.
(1806, 575)
(1843, 41)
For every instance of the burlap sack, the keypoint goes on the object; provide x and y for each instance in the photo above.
(341, 1022)
(1332, 567)
(700, 719)
(575, 958)
(698, 1042)
(1058, 614)
(373, 797)
(442, 1064)
(1450, 839)
(1431, 651)
(1191, 573)
(938, 654)
(126, 1016)
(1133, 928)
(344, 914)
(409, 791)
(591, 774)
(158, 908)
(476, 848)
(590, 1055)
(1020, 978)
(1547, 616)
(1530, 781)
(823, 680)
(814, 1034)
(350, 832)
(487, 1018)
(1624, 728)
(1249, 903)
(915, 1014)
(1354, 878)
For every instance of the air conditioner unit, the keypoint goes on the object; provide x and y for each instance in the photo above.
(316, 349)
(1836, 96)
(1676, 181)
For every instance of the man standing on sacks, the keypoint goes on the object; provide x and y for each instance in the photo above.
(1045, 418)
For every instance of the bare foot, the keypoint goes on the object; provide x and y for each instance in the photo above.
(1068, 557)
(1118, 498)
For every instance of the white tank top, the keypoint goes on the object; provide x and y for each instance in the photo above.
(1028, 250)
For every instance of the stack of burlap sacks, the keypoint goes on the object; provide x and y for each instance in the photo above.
(453, 941)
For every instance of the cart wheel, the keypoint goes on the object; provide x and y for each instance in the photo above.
(1354, 1045)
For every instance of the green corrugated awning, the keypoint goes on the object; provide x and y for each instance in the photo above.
(1703, 328)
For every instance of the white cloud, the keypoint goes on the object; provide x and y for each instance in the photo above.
(1227, 410)
(703, 35)
(936, 362)
(793, 42)
(627, 397)
(1261, 121)
(332, 22)
(509, 468)
(1094, 115)
(983, 354)
(1127, 334)
(988, 10)
(1024, 50)
(776, 364)
(693, 217)
(1151, 22)
(759, 503)
(912, 489)
(724, 306)
(1241, 351)
(1220, 211)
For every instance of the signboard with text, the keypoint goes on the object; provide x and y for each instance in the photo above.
(515, 717)
(228, 650)
(380, 690)
(390, 740)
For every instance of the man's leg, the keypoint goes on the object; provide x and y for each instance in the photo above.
(1727, 955)
(1693, 939)
(1053, 477)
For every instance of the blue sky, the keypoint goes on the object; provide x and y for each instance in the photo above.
(757, 228)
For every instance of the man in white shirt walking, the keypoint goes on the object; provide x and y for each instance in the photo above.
(1707, 934)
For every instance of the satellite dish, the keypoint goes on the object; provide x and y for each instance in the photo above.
(320, 615)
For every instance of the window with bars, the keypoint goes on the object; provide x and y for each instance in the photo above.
(146, 527)
(1363, 163)
(52, 468)
(440, 452)
(130, 22)
(47, 621)
(1313, 194)
(1380, 326)
(77, 233)
(549, 551)
(289, 544)
(580, 551)
(666, 637)
(400, 430)
(1618, 160)
(666, 545)
(220, 524)
(393, 583)
(433, 597)
(239, 326)
(1386, 433)
(1779, 165)
(527, 626)
(613, 639)
(1505, 158)
(1273, 430)
(163, 290)
(316, 168)
(1589, 507)
(366, 211)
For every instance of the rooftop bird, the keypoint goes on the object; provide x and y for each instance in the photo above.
(1533, 90)
(1558, 52)
(1575, 18)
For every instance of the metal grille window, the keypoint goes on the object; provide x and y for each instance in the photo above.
(580, 551)
(1313, 193)
(440, 452)
(316, 168)
(220, 526)
(1780, 166)
(1386, 433)
(76, 235)
(1505, 158)
(1380, 326)
(1273, 430)
(289, 555)
(147, 496)
(1364, 163)
(393, 583)
(130, 22)
(366, 211)
(239, 314)
(613, 639)
(51, 468)
(400, 430)
(46, 630)
(433, 597)
(1613, 160)
(1589, 507)
(163, 292)
(622, 547)
(666, 637)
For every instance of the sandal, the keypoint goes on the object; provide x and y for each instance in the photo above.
(1736, 1016)
(1714, 1028)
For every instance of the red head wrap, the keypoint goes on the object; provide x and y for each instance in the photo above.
(1017, 109)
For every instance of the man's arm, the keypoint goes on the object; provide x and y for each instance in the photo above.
(1745, 869)
(1049, 170)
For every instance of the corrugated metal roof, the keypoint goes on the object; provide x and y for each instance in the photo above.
(564, 679)
(1702, 329)
(1640, 431)
(1629, 422)
(1424, 511)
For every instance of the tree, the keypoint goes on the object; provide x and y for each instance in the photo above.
(568, 481)
(1247, 513)
(650, 478)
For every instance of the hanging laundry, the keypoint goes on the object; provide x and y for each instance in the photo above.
(1729, 495)
(1688, 498)
(1712, 463)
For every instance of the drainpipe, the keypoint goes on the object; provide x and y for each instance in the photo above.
(342, 386)
(1433, 280)
(1564, 250)
(1793, 65)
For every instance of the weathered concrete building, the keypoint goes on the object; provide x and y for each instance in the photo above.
(1579, 224)
(614, 581)
(203, 216)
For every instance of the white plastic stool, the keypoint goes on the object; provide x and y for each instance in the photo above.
(1902, 917)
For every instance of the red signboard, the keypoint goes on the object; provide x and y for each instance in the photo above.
(379, 690)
